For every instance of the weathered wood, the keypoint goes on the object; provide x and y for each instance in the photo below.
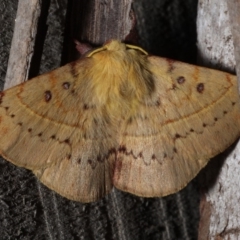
(96, 22)
(220, 212)
(104, 20)
(23, 42)
(234, 16)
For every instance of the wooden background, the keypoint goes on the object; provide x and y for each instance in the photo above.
(43, 40)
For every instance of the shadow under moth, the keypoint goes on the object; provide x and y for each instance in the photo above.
(119, 117)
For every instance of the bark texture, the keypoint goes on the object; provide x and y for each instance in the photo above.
(234, 17)
(218, 29)
(95, 22)
(23, 42)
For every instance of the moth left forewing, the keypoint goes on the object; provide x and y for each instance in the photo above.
(193, 115)
(53, 126)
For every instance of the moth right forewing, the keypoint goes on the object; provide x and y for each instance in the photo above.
(166, 143)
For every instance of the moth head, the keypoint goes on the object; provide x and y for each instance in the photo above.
(116, 45)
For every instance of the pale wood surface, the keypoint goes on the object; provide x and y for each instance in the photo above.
(234, 17)
(96, 22)
(23, 42)
(220, 211)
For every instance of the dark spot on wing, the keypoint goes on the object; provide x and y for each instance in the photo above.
(181, 80)
(174, 86)
(158, 103)
(48, 96)
(130, 120)
(53, 137)
(122, 148)
(66, 85)
(177, 136)
(112, 151)
(200, 87)
(67, 141)
(170, 64)
(85, 107)
(91, 163)
(100, 158)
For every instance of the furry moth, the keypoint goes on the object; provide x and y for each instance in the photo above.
(119, 117)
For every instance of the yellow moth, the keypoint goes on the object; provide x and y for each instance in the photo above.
(119, 117)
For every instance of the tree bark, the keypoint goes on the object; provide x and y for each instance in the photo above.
(95, 22)
(23, 42)
(218, 29)
(234, 17)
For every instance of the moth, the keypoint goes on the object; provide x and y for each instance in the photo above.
(119, 117)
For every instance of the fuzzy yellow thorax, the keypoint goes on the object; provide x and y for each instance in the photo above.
(120, 76)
